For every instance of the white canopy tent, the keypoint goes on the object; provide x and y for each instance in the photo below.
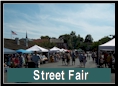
(37, 48)
(55, 49)
(63, 50)
(108, 46)
(43, 49)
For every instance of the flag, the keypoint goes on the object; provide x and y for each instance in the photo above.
(13, 33)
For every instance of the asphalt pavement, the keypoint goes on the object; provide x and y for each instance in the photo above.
(89, 64)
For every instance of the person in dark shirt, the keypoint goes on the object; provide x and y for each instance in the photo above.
(93, 56)
(73, 58)
(35, 59)
(20, 60)
(63, 59)
(84, 60)
(81, 58)
(105, 58)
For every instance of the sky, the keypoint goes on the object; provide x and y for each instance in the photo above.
(55, 19)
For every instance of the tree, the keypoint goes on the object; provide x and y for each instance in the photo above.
(104, 40)
(95, 45)
(65, 37)
(45, 37)
(83, 46)
(88, 39)
(46, 44)
(53, 38)
(72, 41)
(80, 40)
(99, 42)
(72, 33)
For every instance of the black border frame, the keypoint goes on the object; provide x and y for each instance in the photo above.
(2, 39)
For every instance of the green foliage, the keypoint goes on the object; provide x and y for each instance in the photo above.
(101, 41)
(45, 37)
(104, 40)
(74, 41)
(46, 44)
(88, 39)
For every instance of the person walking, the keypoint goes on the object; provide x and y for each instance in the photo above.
(20, 60)
(81, 59)
(105, 58)
(73, 58)
(55, 57)
(101, 61)
(93, 56)
(89, 55)
(113, 61)
(9, 59)
(39, 61)
(29, 61)
(109, 60)
(84, 60)
(12, 63)
(63, 59)
(35, 59)
(68, 58)
(17, 62)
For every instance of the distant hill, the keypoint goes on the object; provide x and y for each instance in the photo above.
(11, 44)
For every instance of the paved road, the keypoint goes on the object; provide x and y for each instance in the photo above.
(89, 64)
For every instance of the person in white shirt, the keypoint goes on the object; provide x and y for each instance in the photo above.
(23, 60)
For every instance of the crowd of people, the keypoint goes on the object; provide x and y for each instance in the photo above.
(107, 59)
(67, 57)
(20, 60)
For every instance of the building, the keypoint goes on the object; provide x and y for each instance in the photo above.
(59, 42)
(40, 40)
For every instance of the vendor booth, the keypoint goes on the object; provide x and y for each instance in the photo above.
(55, 49)
(37, 48)
(108, 46)
(23, 51)
(9, 51)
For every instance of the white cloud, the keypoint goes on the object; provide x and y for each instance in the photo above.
(52, 20)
